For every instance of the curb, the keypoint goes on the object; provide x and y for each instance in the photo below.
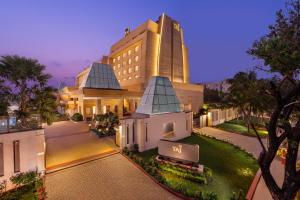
(253, 186)
(158, 183)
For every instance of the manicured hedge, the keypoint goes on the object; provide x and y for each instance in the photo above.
(77, 117)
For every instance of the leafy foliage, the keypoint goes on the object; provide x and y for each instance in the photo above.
(107, 122)
(280, 52)
(27, 87)
(77, 117)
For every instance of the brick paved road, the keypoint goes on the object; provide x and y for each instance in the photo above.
(68, 141)
(110, 178)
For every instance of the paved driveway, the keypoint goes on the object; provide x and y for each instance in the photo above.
(109, 178)
(68, 142)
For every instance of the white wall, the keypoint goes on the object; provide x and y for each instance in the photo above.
(32, 152)
(155, 129)
(221, 115)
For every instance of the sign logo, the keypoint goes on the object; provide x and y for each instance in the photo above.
(176, 26)
(177, 148)
(179, 151)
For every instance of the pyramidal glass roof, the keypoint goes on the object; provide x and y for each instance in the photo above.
(100, 76)
(159, 97)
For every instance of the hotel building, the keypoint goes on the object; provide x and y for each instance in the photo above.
(155, 49)
(118, 82)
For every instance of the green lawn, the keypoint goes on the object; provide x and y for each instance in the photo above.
(238, 126)
(232, 168)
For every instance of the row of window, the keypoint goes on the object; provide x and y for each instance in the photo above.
(129, 78)
(136, 49)
(136, 68)
(16, 149)
(124, 63)
(130, 70)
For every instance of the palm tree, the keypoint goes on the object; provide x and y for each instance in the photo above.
(28, 87)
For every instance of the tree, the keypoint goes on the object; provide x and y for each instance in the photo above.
(247, 94)
(280, 51)
(4, 98)
(212, 96)
(28, 88)
(107, 123)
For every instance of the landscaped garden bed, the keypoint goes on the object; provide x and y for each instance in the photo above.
(28, 186)
(228, 170)
(240, 127)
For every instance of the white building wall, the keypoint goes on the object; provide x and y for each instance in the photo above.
(32, 152)
(156, 123)
(155, 129)
(222, 115)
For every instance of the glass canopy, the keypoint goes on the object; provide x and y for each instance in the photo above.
(159, 97)
(100, 76)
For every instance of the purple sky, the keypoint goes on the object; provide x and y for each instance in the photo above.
(67, 35)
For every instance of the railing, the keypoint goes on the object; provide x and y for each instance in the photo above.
(9, 124)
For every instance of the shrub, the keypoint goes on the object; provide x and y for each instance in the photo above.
(2, 187)
(208, 174)
(211, 196)
(136, 148)
(77, 117)
(125, 150)
(26, 178)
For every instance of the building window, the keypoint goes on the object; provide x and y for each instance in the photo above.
(146, 132)
(136, 58)
(129, 70)
(169, 130)
(119, 73)
(119, 66)
(129, 61)
(16, 145)
(124, 55)
(133, 133)
(118, 57)
(127, 134)
(114, 67)
(187, 124)
(114, 60)
(129, 78)
(136, 76)
(137, 68)
(1, 160)
(124, 64)
(129, 52)
(136, 48)
(124, 71)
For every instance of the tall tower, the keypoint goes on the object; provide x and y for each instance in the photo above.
(173, 60)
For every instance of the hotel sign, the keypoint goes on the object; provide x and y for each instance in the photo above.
(179, 151)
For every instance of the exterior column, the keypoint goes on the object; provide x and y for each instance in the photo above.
(140, 134)
(97, 106)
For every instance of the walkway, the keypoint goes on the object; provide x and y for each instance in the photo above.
(68, 142)
(110, 178)
(251, 145)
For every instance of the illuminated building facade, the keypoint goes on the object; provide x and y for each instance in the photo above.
(155, 49)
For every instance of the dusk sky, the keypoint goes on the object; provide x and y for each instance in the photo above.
(67, 35)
